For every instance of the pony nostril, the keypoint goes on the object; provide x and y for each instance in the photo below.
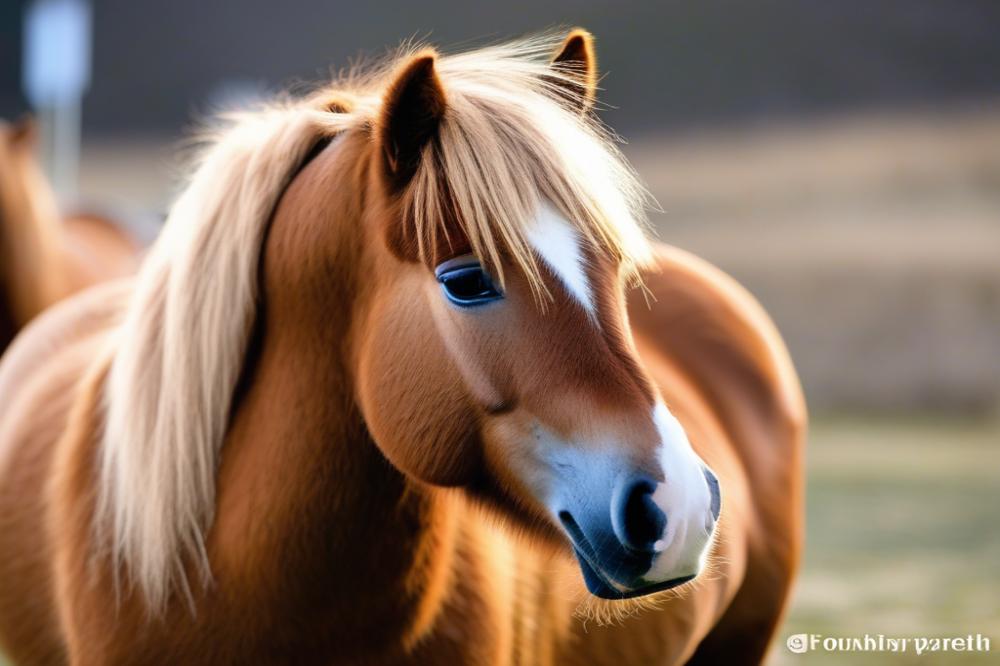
(574, 531)
(713, 488)
(641, 522)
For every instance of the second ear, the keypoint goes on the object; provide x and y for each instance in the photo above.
(576, 63)
(412, 109)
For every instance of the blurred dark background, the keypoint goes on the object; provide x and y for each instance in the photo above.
(840, 158)
(669, 64)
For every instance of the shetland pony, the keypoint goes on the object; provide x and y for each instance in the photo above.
(383, 392)
(44, 258)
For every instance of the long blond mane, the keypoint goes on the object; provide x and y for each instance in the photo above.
(507, 142)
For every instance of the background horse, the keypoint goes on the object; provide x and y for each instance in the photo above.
(382, 393)
(43, 256)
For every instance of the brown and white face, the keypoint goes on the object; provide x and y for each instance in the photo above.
(542, 410)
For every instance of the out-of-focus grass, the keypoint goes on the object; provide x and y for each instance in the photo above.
(903, 537)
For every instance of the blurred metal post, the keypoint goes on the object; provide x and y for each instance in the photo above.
(56, 75)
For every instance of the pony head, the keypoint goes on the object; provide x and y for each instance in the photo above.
(462, 245)
(495, 353)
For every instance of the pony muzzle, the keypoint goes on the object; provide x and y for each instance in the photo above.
(642, 536)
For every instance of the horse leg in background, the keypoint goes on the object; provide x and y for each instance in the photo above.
(44, 258)
(31, 269)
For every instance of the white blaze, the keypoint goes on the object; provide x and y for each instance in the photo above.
(558, 243)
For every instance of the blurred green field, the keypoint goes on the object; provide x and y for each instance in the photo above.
(903, 537)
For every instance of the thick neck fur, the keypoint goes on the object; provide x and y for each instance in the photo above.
(306, 502)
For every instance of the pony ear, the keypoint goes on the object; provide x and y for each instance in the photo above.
(576, 61)
(412, 109)
(24, 131)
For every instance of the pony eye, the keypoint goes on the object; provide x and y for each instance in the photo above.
(467, 285)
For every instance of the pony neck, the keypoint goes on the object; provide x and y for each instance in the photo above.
(308, 508)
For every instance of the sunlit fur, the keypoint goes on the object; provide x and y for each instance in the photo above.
(44, 257)
(188, 322)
